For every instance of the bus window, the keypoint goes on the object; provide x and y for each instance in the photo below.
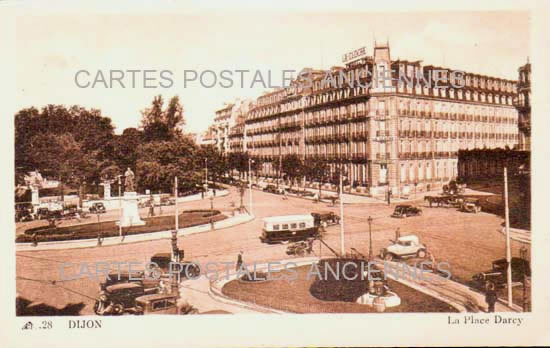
(302, 225)
(275, 227)
(285, 226)
(293, 225)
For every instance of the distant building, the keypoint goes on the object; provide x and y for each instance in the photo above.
(523, 104)
(205, 138)
(226, 118)
(390, 135)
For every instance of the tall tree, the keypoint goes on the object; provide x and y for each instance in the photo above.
(159, 124)
(293, 167)
(160, 161)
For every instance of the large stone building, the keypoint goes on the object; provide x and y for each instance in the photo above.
(397, 133)
(226, 118)
(523, 104)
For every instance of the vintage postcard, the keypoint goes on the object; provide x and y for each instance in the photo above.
(275, 174)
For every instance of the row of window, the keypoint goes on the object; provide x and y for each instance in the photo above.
(293, 226)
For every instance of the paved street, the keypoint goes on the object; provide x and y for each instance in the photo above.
(468, 242)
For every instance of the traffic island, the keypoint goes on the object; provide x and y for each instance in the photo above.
(296, 290)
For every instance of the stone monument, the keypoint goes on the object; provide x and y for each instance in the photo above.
(130, 213)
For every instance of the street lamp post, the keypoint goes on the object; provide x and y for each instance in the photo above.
(250, 161)
(370, 237)
(341, 217)
(206, 171)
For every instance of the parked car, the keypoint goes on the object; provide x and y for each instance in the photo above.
(325, 218)
(299, 249)
(23, 212)
(273, 189)
(470, 205)
(188, 269)
(166, 201)
(497, 276)
(161, 304)
(404, 246)
(118, 298)
(138, 277)
(97, 208)
(47, 214)
(405, 210)
(288, 228)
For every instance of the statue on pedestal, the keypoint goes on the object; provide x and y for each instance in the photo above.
(129, 180)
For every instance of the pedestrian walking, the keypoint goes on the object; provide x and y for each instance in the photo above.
(491, 297)
(389, 196)
(309, 245)
(239, 261)
(151, 210)
(34, 238)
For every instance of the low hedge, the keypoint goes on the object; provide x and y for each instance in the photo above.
(110, 228)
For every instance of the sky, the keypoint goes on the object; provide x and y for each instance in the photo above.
(51, 49)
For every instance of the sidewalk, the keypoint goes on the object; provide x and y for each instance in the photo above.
(519, 235)
(456, 294)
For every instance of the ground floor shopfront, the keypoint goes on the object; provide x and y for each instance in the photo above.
(376, 177)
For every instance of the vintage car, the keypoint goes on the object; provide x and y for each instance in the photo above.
(47, 214)
(162, 304)
(497, 275)
(118, 298)
(273, 189)
(167, 201)
(188, 269)
(97, 208)
(405, 210)
(404, 246)
(24, 212)
(470, 205)
(288, 228)
(325, 218)
(137, 277)
(299, 248)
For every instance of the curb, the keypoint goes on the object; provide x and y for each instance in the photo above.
(136, 238)
(216, 286)
(520, 239)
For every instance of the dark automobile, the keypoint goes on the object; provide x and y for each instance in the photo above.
(325, 218)
(45, 213)
(273, 189)
(166, 201)
(497, 275)
(299, 248)
(188, 269)
(126, 277)
(118, 298)
(97, 208)
(23, 212)
(404, 210)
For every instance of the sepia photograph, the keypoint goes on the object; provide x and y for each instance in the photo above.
(208, 162)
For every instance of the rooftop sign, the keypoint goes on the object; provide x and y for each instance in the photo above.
(354, 55)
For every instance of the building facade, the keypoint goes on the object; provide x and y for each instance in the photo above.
(227, 122)
(391, 134)
(523, 104)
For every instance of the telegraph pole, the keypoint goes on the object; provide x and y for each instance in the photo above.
(508, 251)
(342, 250)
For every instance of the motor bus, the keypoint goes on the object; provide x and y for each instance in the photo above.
(288, 228)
